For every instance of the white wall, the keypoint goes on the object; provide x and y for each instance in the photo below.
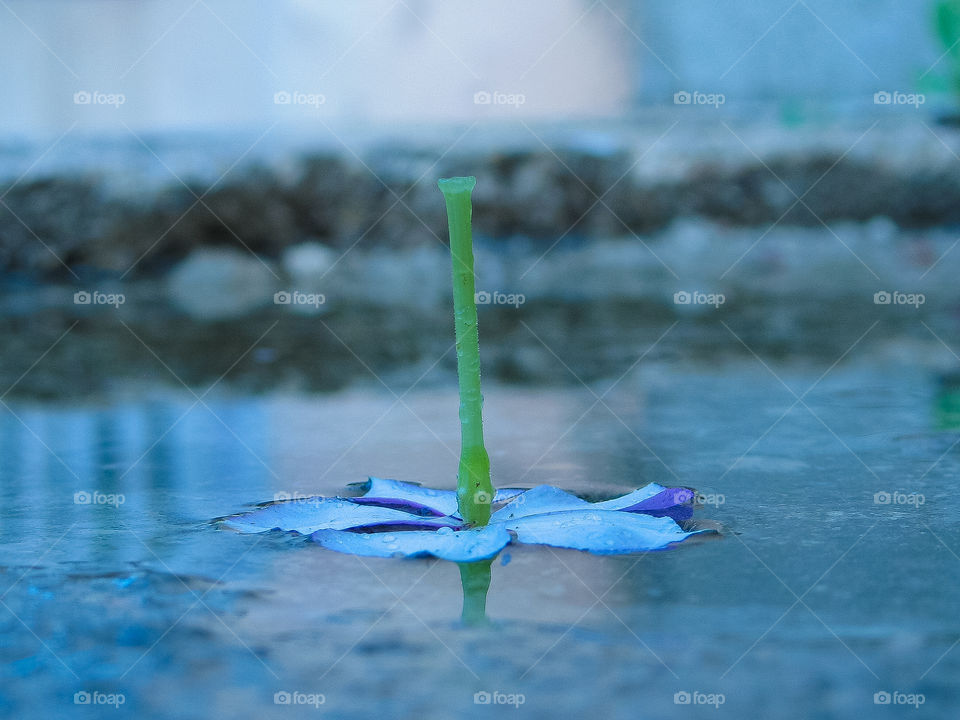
(218, 63)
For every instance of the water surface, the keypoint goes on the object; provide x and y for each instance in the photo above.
(818, 595)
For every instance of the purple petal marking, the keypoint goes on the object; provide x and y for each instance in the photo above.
(677, 512)
(663, 499)
(416, 499)
(670, 497)
(399, 504)
(307, 515)
(407, 496)
(603, 532)
(539, 500)
(456, 546)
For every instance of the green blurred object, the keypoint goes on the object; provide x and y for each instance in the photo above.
(792, 112)
(474, 488)
(947, 409)
(947, 21)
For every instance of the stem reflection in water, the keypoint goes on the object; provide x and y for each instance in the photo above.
(475, 578)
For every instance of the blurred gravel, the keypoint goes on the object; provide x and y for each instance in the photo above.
(115, 205)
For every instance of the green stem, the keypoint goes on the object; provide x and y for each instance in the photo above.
(474, 488)
(475, 579)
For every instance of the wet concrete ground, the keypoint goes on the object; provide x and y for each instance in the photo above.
(833, 581)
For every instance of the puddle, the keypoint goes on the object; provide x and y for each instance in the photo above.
(832, 582)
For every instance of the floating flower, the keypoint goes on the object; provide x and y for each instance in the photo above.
(401, 519)
(475, 522)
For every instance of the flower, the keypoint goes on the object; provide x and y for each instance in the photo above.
(395, 518)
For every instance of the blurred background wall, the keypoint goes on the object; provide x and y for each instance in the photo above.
(201, 64)
(221, 63)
